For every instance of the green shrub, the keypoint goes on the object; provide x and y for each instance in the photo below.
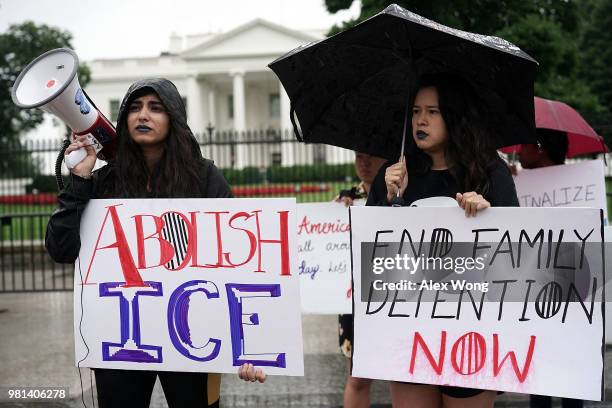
(248, 175)
(320, 173)
(292, 174)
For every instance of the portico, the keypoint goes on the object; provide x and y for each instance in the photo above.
(225, 82)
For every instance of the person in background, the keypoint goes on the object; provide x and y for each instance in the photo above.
(550, 151)
(366, 168)
(357, 390)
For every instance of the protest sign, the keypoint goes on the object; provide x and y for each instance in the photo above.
(200, 285)
(608, 286)
(569, 185)
(324, 258)
(520, 305)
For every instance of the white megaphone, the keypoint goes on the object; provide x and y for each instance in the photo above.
(50, 83)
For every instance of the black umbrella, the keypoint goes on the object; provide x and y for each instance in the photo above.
(352, 90)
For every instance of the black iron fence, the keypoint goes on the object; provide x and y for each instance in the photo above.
(24, 263)
(265, 163)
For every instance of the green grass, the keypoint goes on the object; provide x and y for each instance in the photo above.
(25, 208)
(24, 228)
(22, 225)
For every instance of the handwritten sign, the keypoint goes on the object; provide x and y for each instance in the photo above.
(608, 286)
(200, 285)
(511, 314)
(570, 185)
(324, 258)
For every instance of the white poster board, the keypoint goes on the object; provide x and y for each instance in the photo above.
(608, 286)
(324, 258)
(201, 285)
(508, 337)
(568, 185)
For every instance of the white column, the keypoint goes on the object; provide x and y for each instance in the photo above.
(211, 120)
(239, 117)
(212, 107)
(194, 105)
(287, 151)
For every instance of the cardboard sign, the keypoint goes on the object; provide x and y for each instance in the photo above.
(522, 305)
(324, 258)
(569, 185)
(200, 285)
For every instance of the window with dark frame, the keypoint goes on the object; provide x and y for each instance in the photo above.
(230, 106)
(274, 105)
(114, 110)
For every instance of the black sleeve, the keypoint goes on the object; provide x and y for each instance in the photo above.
(62, 239)
(502, 192)
(217, 186)
(378, 190)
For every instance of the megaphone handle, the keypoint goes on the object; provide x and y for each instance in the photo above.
(75, 157)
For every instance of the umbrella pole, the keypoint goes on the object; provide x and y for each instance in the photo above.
(398, 201)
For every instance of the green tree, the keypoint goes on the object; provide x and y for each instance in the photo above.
(557, 51)
(480, 16)
(19, 45)
(596, 62)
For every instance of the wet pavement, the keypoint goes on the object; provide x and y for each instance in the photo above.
(36, 350)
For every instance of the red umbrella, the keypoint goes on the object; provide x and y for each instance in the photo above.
(556, 115)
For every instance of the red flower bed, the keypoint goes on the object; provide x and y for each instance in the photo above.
(243, 191)
(32, 199)
(247, 191)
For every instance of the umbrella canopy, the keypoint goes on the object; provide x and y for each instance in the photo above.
(559, 116)
(352, 90)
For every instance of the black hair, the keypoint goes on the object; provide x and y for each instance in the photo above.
(470, 151)
(554, 143)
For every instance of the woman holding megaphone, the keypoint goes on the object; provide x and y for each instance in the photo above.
(157, 157)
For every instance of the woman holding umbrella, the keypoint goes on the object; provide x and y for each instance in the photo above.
(349, 90)
(451, 153)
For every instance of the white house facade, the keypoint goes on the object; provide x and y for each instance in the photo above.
(226, 84)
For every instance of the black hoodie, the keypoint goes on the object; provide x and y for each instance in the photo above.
(165, 90)
(62, 238)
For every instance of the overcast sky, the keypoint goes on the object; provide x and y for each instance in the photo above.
(122, 28)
